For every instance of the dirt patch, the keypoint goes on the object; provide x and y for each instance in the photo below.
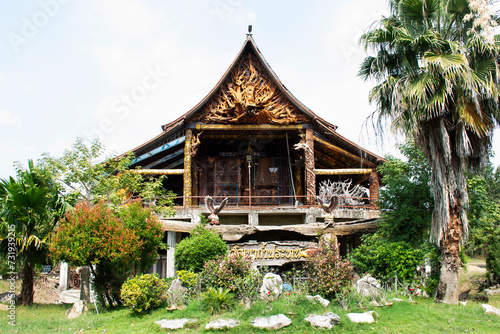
(46, 291)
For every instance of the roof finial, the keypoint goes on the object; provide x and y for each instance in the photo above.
(249, 30)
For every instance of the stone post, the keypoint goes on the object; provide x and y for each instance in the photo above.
(171, 236)
(85, 284)
(63, 277)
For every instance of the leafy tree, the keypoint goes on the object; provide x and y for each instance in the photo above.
(484, 211)
(406, 200)
(112, 244)
(30, 207)
(148, 228)
(85, 174)
(201, 246)
(437, 67)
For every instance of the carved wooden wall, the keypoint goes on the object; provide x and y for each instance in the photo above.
(249, 97)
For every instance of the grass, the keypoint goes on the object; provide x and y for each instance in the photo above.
(425, 316)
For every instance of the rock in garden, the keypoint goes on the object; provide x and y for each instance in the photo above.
(222, 324)
(78, 308)
(272, 286)
(491, 292)
(396, 300)
(366, 317)
(320, 299)
(176, 287)
(368, 286)
(273, 322)
(490, 309)
(174, 323)
(327, 320)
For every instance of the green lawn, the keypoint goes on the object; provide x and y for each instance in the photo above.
(423, 317)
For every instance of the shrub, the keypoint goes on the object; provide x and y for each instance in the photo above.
(188, 278)
(233, 272)
(381, 258)
(328, 273)
(493, 260)
(216, 300)
(201, 246)
(143, 293)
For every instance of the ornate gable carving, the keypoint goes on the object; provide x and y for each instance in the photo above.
(249, 96)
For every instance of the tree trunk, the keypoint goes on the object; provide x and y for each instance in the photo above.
(26, 296)
(448, 290)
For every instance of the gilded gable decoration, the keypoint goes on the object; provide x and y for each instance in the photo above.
(249, 96)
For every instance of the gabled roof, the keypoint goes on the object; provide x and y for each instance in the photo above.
(249, 46)
(249, 49)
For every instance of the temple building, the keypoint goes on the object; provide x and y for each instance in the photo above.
(277, 163)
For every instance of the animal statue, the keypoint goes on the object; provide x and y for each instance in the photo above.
(328, 208)
(214, 210)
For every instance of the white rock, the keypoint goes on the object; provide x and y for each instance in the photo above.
(368, 286)
(463, 303)
(327, 320)
(320, 299)
(366, 317)
(77, 310)
(490, 309)
(174, 323)
(222, 324)
(272, 286)
(395, 300)
(491, 292)
(176, 287)
(273, 322)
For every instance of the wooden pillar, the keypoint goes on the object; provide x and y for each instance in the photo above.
(374, 188)
(187, 167)
(310, 175)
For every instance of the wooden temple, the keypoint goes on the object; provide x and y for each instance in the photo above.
(251, 141)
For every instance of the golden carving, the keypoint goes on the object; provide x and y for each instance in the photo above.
(248, 96)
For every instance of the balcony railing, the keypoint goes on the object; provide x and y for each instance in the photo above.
(266, 202)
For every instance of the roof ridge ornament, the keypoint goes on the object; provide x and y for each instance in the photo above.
(249, 31)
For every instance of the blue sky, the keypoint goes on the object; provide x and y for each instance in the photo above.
(119, 69)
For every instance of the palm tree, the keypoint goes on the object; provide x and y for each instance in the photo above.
(33, 206)
(437, 74)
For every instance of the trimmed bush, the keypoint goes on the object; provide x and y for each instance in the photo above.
(202, 245)
(143, 293)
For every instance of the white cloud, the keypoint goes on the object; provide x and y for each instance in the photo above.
(6, 118)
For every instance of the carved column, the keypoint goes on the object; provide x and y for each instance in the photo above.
(374, 188)
(310, 175)
(187, 167)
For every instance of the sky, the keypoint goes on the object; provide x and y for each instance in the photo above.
(117, 70)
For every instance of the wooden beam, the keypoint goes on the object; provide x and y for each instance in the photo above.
(187, 168)
(344, 171)
(242, 127)
(309, 167)
(160, 149)
(157, 171)
(236, 232)
(343, 152)
(165, 158)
